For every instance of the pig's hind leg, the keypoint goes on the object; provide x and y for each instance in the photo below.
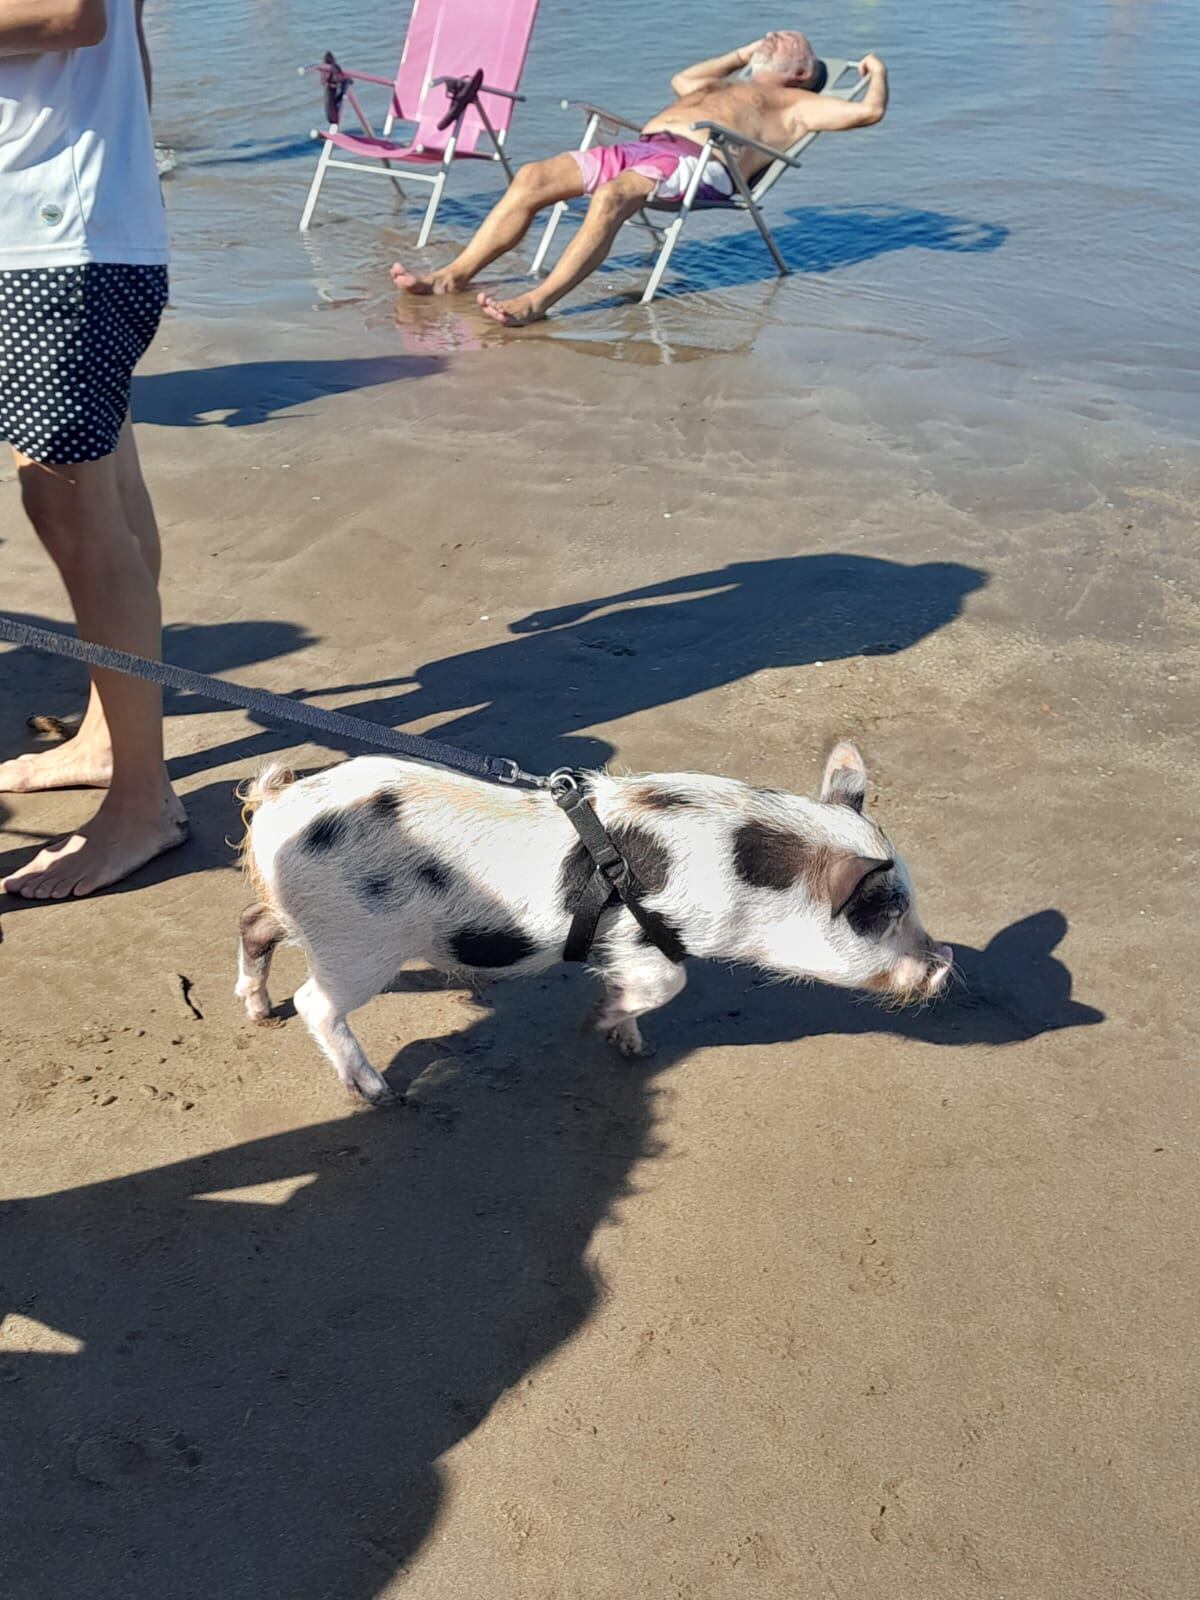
(635, 982)
(260, 932)
(334, 989)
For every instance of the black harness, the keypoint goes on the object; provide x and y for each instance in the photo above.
(612, 879)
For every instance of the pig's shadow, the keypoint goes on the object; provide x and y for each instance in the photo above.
(262, 1390)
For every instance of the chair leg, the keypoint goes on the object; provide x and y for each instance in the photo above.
(431, 211)
(314, 189)
(650, 227)
(676, 228)
(744, 189)
(543, 249)
(781, 265)
(664, 255)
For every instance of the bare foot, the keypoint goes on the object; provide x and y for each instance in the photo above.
(516, 313)
(442, 281)
(113, 844)
(79, 763)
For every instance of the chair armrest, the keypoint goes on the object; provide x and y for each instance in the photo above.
(358, 77)
(484, 88)
(721, 135)
(610, 117)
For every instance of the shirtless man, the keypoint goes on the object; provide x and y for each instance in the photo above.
(777, 103)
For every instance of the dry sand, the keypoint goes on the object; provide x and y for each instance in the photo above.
(821, 1301)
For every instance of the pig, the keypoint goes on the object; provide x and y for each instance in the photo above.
(379, 861)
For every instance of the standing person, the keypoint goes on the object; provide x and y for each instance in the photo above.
(83, 283)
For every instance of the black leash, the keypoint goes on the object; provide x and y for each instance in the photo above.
(501, 769)
(612, 878)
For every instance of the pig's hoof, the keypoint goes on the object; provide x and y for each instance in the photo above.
(632, 1046)
(374, 1091)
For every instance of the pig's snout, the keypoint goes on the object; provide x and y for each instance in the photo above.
(917, 977)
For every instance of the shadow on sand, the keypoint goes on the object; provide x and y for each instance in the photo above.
(253, 391)
(561, 672)
(263, 1386)
(615, 655)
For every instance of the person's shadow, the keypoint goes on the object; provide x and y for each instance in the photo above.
(611, 656)
(252, 391)
(37, 684)
(248, 1395)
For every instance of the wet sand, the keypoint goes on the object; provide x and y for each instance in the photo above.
(820, 1301)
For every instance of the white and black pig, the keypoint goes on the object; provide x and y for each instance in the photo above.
(379, 861)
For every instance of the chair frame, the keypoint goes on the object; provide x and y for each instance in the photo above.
(748, 196)
(386, 167)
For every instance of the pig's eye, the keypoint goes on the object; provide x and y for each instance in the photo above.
(881, 902)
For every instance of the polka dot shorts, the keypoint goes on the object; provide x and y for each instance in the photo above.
(70, 338)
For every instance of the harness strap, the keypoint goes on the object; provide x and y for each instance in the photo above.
(611, 880)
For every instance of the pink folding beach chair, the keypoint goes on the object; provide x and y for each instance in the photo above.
(457, 81)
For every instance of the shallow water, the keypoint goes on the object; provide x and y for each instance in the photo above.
(1027, 214)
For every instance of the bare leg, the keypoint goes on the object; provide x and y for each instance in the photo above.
(81, 519)
(261, 931)
(612, 206)
(539, 184)
(637, 985)
(88, 763)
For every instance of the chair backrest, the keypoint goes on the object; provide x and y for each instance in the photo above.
(454, 38)
(844, 82)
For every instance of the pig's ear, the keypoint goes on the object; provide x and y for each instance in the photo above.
(845, 780)
(847, 874)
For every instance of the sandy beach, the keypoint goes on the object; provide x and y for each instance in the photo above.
(822, 1300)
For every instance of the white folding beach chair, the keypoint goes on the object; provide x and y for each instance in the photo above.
(842, 78)
(457, 81)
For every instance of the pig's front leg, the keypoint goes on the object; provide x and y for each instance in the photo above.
(636, 981)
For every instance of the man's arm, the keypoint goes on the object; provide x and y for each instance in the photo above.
(29, 27)
(824, 113)
(706, 73)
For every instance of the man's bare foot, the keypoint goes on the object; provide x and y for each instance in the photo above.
(516, 313)
(443, 281)
(113, 844)
(79, 763)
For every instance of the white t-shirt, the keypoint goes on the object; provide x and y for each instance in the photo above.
(78, 180)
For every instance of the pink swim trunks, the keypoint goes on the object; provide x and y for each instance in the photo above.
(666, 157)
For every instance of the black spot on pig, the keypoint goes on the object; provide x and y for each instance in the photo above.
(325, 833)
(261, 931)
(490, 947)
(434, 875)
(654, 799)
(649, 861)
(770, 858)
(374, 889)
(384, 806)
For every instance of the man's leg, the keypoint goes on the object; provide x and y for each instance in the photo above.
(82, 519)
(539, 184)
(612, 205)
